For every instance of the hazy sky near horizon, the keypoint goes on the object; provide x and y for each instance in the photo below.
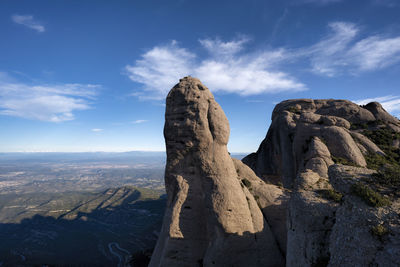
(93, 75)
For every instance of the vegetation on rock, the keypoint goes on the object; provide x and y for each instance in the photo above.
(246, 182)
(379, 231)
(388, 165)
(331, 194)
(340, 160)
(372, 198)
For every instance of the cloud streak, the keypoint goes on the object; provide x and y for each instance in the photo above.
(28, 21)
(341, 51)
(139, 121)
(52, 103)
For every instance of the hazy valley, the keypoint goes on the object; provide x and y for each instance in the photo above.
(79, 208)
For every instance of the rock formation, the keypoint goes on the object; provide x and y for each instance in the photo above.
(330, 220)
(322, 189)
(211, 219)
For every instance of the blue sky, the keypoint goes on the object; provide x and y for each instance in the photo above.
(93, 75)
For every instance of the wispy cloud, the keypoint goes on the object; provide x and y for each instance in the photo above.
(28, 21)
(390, 103)
(219, 48)
(326, 55)
(342, 51)
(139, 121)
(97, 130)
(53, 103)
(227, 68)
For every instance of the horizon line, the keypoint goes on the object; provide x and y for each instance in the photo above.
(100, 151)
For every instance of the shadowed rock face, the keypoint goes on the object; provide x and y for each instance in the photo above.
(212, 219)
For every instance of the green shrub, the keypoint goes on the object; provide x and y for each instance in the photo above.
(369, 196)
(340, 160)
(379, 231)
(366, 125)
(331, 194)
(375, 161)
(388, 176)
(382, 137)
(388, 166)
(356, 126)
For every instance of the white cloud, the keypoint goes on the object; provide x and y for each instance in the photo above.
(229, 67)
(139, 121)
(97, 130)
(54, 103)
(225, 69)
(161, 67)
(28, 21)
(390, 103)
(341, 51)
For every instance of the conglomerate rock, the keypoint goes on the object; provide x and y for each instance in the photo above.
(211, 218)
(327, 224)
(306, 198)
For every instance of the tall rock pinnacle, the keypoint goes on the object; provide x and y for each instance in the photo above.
(211, 219)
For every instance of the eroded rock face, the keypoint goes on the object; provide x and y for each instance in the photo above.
(211, 219)
(327, 225)
(300, 209)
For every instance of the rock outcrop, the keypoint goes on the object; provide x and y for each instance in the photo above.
(212, 219)
(322, 189)
(328, 223)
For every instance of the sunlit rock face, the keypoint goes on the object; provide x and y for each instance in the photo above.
(212, 218)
